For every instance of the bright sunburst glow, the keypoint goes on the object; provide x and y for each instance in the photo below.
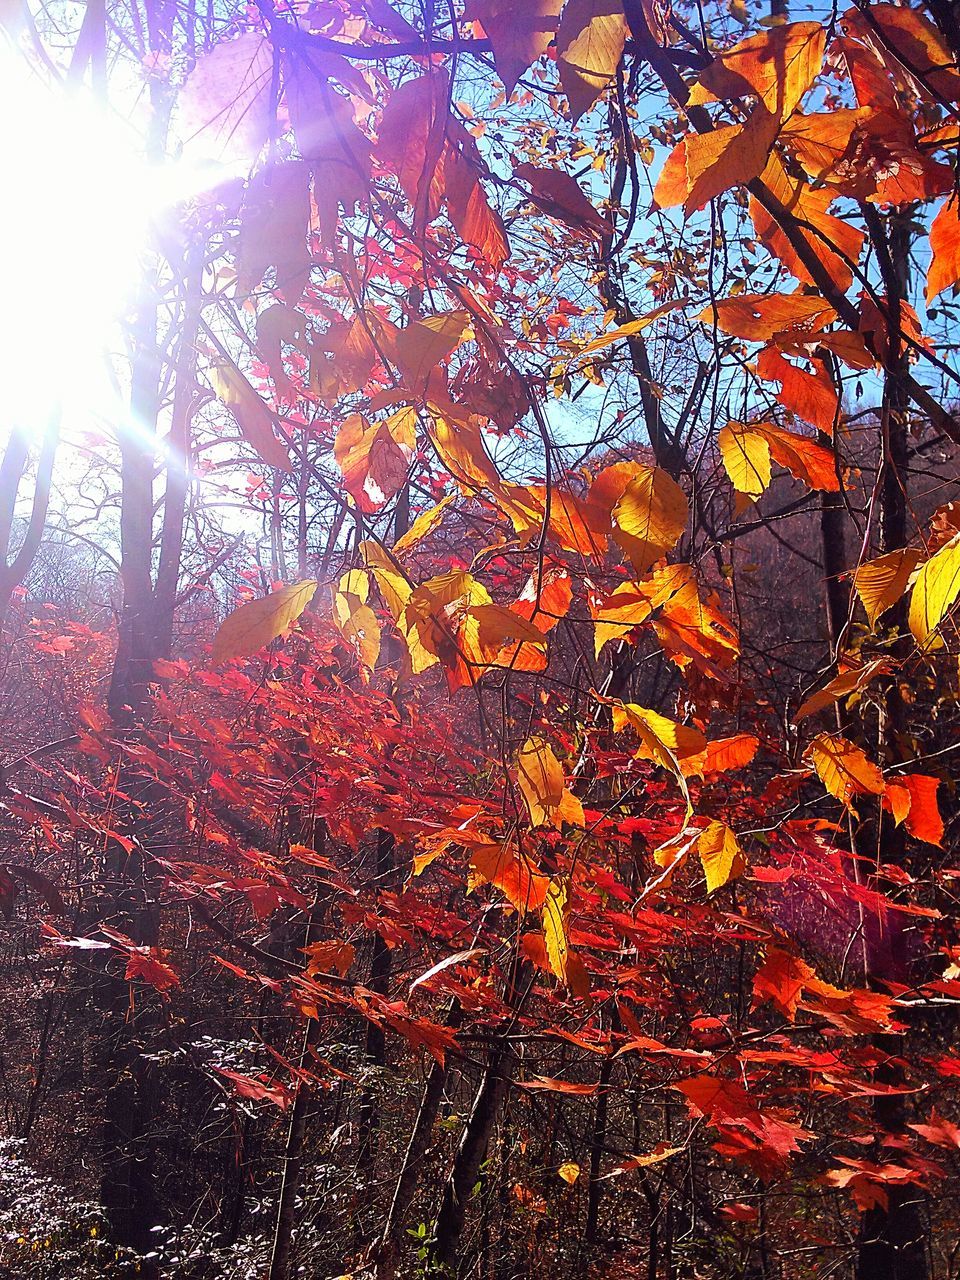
(75, 238)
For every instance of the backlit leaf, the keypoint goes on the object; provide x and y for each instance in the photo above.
(844, 768)
(935, 591)
(881, 582)
(254, 624)
(650, 516)
(720, 855)
(541, 781)
(590, 40)
(746, 458)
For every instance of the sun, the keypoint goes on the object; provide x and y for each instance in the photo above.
(75, 245)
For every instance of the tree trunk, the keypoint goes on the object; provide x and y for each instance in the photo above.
(892, 1238)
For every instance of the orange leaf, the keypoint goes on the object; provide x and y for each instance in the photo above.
(777, 66)
(944, 268)
(504, 866)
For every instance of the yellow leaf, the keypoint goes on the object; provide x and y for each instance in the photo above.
(672, 746)
(649, 517)
(498, 625)
(355, 620)
(590, 40)
(556, 924)
(245, 631)
(618, 613)
(935, 591)
(569, 1172)
(720, 855)
(844, 769)
(541, 782)
(881, 582)
(460, 446)
(664, 741)
(746, 459)
(425, 523)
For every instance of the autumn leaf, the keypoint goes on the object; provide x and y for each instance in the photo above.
(944, 270)
(705, 164)
(649, 516)
(424, 524)
(374, 457)
(720, 855)
(334, 955)
(777, 66)
(223, 111)
(569, 1171)
(590, 40)
(746, 458)
(273, 230)
(254, 624)
(844, 769)
(881, 582)
(935, 591)
(560, 196)
(912, 798)
(518, 34)
(503, 865)
(781, 979)
(760, 317)
(835, 242)
(556, 926)
(841, 686)
(723, 754)
(355, 619)
(541, 782)
(252, 415)
(616, 615)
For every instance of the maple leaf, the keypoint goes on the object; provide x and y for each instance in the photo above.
(511, 871)
(781, 979)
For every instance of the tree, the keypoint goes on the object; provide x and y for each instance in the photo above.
(508, 818)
